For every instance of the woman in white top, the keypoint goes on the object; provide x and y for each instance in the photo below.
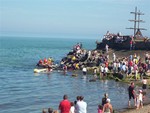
(81, 106)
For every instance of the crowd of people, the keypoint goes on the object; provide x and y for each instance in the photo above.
(75, 58)
(131, 66)
(46, 63)
(80, 106)
(138, 96)
(79, 58)
(66, 106)
(105, 106)
(118, 38)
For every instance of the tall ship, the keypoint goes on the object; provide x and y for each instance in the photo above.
(127, 42)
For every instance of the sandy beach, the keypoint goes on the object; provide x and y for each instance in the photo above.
(146, 106)
(145, 109)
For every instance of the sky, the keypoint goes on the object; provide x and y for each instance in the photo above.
(70, 17)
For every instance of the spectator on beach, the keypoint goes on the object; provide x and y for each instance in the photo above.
(135, 68)
(104, 99)
(89, 54)
(131, 57)
(131, 94)
(50, 110)
(81, 106)
(106, 47)
(65, 105)
(146, 56)
(114, 67)
(131, 45)
(100, 109)
(124, 68)
(141, 72)
(144, 86)
(114, 57)
(139, 100)
(107, 108)
(72, 109)
(76, 101)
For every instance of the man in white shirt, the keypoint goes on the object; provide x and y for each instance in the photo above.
(84, 70)
(114, 57)
(81, 106)
(106, 47)
(124, 69)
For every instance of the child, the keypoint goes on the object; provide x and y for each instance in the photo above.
(100, 109)
(139, 100)
(72, 109)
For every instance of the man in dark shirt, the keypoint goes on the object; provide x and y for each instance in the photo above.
(104, 99)
(131, 93)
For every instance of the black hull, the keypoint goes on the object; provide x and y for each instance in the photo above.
(125, 45)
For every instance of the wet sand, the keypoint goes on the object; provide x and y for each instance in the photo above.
(145, 109)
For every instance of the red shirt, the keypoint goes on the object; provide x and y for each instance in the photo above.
(106, 64)
(65, 106)
(130, 63)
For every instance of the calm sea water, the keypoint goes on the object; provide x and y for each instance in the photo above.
(22, 91)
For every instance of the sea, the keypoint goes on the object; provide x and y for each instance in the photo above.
(23, 91)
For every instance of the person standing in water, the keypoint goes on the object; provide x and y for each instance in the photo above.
(104, 99)
(84, 70)
(131, 94)
(144, 86)
(65, 69)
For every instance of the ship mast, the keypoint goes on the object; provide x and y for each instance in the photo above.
(137, 21)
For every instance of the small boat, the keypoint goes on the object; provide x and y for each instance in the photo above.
(42, 70)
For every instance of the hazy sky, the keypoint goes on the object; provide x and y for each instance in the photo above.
(70, 17)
